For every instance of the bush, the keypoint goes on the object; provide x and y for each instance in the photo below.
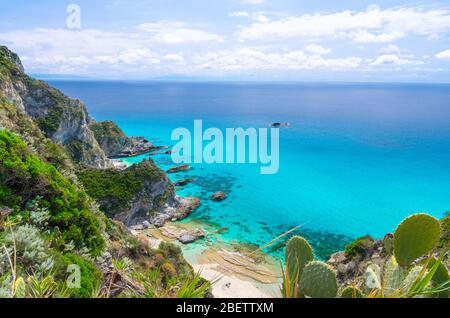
(359, 247)
(91, 276)
(32, 250)
(23, 177)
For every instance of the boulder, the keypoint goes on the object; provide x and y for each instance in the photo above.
(4, 213)
(183, 182)
(179, 169)
(219, 196)
(191, 237)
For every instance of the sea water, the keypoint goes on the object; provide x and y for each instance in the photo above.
(355, 160)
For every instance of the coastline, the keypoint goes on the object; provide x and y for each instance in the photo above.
(231, 267)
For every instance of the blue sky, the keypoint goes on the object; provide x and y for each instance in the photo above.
(355, 40)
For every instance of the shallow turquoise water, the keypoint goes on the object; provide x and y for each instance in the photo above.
(356, 160)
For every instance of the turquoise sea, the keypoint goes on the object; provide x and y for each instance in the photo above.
(356, 159)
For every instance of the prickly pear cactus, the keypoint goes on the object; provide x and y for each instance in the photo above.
(393, 277)
(416, 236)
(318, 280)
(388, 245)
(351, 292)
(298, 254)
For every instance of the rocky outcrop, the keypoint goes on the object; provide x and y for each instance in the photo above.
(142, 192)
(178, 210)
(116, 144)
(219, 196)
(184, 236)
(351, 265)
(181, 168)
(62, 119)
(183, 182)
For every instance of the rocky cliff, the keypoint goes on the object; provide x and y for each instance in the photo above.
(62, 119)
(141, 194)
(48, 221)
(115, 143)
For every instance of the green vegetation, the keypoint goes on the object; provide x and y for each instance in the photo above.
(115, 190)
(305, 277)
(359, 246)
(23, 177)
(107, 131)
(91, 276)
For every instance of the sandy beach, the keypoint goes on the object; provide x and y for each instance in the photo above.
(234, 271)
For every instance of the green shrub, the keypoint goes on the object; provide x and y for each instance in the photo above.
(359, 247)
(91, 276)
(23, 177)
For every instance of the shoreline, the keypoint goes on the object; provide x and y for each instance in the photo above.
(233, 274)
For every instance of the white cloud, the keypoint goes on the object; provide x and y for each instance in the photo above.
(252, 59)
(169, 32)
(239, 14)
(393, 59)
(317, 49)
(177, 58)
(367, 37)
(260, 17)
(371, 25)
(443, 55)
(391, 48)
(65, 51)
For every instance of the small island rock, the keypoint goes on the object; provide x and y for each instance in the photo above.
(219, 196)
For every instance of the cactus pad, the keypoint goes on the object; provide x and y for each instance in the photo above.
(416, 236)
(372, 277)
(351, 292)
(298, 254)
(393, 277)
(318, 280)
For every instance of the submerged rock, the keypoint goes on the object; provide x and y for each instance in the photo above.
(183, 182)
(219, 196)
(179, 169)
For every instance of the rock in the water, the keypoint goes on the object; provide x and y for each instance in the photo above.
(278, 125)
(186, 206)
(184, 182)
(179, 169)
(219, 196)
(191, 237)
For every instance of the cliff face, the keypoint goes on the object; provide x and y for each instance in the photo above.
(65, 121)
(115, 143)
(48, 221)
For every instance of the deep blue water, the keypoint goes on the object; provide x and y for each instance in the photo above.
(356, 160)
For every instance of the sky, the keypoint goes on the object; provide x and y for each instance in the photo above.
(269, 40)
